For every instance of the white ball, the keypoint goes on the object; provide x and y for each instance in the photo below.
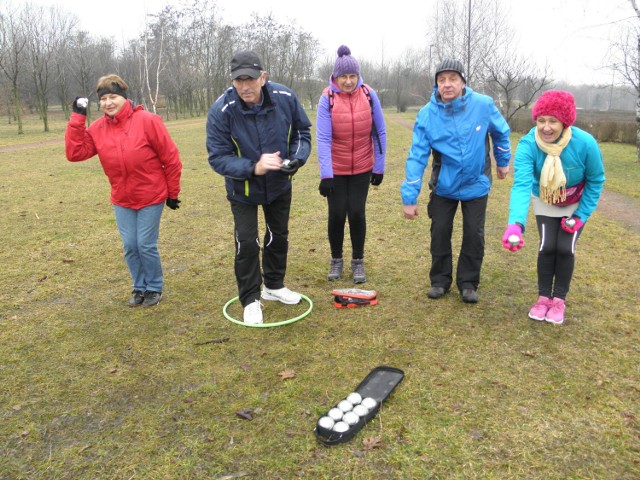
(345, 406)
(82, 102)
(370, 403)
(360, 410)
(514, 240)
(351, 418)
(326, 422)
(335, 414)
(341, 427)
(355, 398)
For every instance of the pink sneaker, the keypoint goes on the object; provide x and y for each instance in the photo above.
(540, 308)
(556, 312)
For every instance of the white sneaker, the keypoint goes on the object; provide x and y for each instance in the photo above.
(283, 295)
(253, 313)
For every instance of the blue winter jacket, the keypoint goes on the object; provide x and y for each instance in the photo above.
(581, 160)
(457, 131)
(237, 135)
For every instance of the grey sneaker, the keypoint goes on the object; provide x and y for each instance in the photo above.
(335, 269)
(357, 266)
(151, 298)
(136, 299)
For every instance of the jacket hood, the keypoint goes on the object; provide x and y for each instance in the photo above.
(456, 104)
(125, 112)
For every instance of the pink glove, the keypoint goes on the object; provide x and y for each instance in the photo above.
(512, 233)
(571, 228)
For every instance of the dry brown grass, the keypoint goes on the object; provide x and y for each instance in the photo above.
(92, 389)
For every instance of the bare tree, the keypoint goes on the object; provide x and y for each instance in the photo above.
(152, 56)
(13, 43)
(46, 31)
(469, 31)
(626, 63)
(514, 81)
(89, 59)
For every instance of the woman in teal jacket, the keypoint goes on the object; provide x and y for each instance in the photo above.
(559, 169)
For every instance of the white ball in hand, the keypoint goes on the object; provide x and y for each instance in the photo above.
(514, 240)
(82, 102)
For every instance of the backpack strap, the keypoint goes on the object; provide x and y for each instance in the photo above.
(365, 89)
(374, 130)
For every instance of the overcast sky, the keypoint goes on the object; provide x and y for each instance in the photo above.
(572, 34)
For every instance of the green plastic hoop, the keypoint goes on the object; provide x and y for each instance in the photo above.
(267, 325)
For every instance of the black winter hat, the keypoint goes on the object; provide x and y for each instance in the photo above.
(450, 65)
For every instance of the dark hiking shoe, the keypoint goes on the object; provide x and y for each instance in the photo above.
(357, 266)
(151, 298)
(469, 295)
(136, 299)
(436, 292)
(335, 269)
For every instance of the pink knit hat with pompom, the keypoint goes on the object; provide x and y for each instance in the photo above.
(556, 103)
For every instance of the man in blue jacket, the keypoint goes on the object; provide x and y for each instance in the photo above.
(258, 136)
(454, 127)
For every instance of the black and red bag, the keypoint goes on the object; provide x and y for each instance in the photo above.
(354, 297)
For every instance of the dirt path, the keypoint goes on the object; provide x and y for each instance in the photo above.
(616, 206)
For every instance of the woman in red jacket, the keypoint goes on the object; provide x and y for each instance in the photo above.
(143, 166)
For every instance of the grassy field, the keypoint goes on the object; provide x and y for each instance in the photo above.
(94, 390)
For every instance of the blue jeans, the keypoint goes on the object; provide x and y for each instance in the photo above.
(139, 230)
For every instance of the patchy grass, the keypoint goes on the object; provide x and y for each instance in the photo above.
(93, 389)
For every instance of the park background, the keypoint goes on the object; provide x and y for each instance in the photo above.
(92, 389)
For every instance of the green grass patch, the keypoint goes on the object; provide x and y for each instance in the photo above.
(93, 389)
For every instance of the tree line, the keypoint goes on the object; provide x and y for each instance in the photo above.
(179, 63)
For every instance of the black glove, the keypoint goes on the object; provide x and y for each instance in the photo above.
(173, 203)
(80, 105)
(376, 178)
(290, 167)
(326, 187)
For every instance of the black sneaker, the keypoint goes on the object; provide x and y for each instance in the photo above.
(151, 298)
(136, 299)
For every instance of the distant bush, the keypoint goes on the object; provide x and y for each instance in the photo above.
(608, 126)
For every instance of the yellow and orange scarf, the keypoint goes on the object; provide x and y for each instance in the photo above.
(553, 181)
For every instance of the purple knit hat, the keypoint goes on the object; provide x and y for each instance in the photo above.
(345, 63)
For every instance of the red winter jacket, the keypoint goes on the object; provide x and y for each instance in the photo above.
(352, 146)
(136, 152)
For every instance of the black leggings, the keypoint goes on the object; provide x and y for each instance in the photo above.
(556, 258)
(348, 200)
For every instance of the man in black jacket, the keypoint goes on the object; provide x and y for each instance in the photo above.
(258, 135)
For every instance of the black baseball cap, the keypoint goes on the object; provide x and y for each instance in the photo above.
(246, 63)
